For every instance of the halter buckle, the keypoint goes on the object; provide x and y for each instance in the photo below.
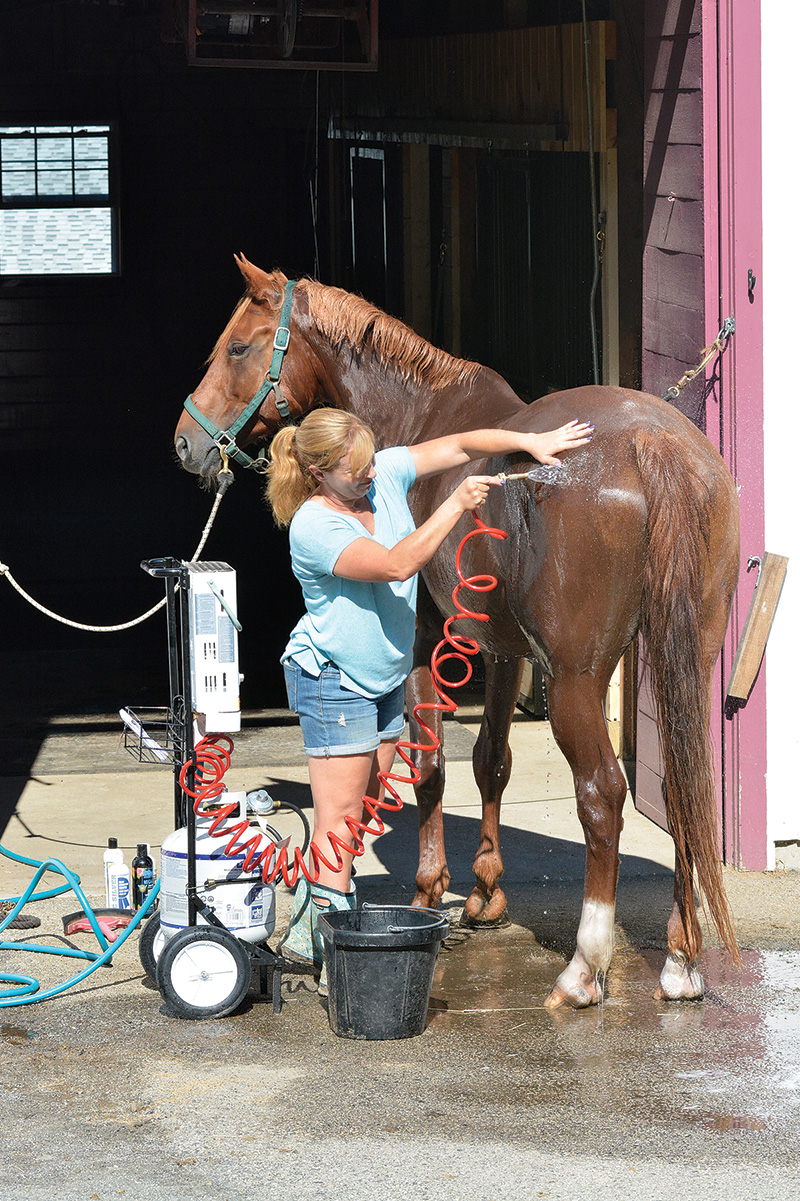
(281, 340)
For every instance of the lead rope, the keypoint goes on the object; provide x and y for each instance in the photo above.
(708, 352)
(225, 479)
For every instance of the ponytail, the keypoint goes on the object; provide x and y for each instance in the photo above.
(288, 484)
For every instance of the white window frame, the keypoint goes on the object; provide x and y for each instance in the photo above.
(58, 209)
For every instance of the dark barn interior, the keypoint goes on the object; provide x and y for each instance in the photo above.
(217, 145)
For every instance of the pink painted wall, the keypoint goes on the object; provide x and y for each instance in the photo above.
(732, 212)
(673, 318)
(702, 234)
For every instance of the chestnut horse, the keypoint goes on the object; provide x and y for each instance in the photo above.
(640, 531)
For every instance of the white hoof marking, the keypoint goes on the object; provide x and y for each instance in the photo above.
(680, 980)
(595, 945)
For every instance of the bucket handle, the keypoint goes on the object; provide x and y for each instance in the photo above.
(414, 929)
(439, 924)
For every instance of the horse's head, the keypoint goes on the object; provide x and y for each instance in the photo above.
(260, 375)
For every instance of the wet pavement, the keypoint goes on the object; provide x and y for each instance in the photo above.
(108, 1096)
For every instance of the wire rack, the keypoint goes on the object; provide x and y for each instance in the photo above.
(153, 735)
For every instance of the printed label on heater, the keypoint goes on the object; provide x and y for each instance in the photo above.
(225, 640)
(256, 915)
(235, 917)
(205, 614)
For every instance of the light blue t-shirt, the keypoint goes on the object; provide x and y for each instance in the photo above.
(365, 629)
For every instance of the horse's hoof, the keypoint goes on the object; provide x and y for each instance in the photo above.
(481, 922)
(577, 986)
(485, 913)
(680, 980)
(577, 997)
(661, 995)
(423, 901)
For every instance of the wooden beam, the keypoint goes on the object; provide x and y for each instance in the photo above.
(417, 238)
(610, 276)
(753, 642)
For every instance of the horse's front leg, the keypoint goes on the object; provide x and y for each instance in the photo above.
(491, 762)
(579, 727)
(433, 877)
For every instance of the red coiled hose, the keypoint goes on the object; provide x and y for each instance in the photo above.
(213, 756)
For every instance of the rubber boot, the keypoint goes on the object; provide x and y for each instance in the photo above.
(326, 900)
(297, 944)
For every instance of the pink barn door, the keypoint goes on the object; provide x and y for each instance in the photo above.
(673, 330)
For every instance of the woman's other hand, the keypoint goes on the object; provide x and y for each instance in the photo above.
(545, 447)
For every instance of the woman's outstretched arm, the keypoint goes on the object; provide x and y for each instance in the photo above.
(454, 450)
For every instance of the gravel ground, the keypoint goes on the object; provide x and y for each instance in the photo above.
(107, 1095)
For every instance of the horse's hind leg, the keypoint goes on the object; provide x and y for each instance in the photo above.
(680, 978)
(579, 727)
(491, 762)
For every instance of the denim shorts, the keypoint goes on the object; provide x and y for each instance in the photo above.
(336, 721)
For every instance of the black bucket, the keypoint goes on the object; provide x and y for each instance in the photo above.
(380, 961)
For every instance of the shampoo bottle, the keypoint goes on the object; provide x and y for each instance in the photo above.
(111, 855)
(143, 875)
(119, 880)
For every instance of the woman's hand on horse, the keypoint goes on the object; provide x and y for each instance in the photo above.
(440, 454)
(546, 446)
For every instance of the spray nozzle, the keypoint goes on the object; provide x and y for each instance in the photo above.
(545, 473)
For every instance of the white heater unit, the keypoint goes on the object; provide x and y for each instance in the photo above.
(214, 647)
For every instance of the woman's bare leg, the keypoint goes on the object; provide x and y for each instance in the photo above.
(338, 785)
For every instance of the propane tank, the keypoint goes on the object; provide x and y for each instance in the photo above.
(246, 905)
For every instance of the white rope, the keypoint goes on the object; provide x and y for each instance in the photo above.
(126, 625)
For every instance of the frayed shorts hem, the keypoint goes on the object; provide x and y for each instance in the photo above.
(331, 714)
(360, 748)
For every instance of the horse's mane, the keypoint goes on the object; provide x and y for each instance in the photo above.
(345, 319)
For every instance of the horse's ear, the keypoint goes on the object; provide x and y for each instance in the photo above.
(261, 285)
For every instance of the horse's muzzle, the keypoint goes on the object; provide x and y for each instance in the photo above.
(203, 459)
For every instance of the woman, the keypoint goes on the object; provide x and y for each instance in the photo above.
(356, 554)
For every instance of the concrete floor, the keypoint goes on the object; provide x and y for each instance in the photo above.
(109, 1096)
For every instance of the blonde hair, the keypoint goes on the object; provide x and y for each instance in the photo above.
(323, 440)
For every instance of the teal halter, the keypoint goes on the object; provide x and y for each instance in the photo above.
(226, 439)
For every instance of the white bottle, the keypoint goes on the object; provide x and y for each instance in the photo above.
(119, 885)
(111, 855)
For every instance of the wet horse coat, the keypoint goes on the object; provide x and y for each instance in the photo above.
(639, 532)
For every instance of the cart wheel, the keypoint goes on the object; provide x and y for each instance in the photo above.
(152, 941)
(203, 972)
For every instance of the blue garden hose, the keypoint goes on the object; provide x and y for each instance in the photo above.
(39, 896)
(28, 988)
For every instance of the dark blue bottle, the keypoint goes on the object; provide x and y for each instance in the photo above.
(143, 875)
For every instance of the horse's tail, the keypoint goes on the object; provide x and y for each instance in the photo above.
(679, 506)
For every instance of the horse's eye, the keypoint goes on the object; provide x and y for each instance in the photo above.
(237, 349)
